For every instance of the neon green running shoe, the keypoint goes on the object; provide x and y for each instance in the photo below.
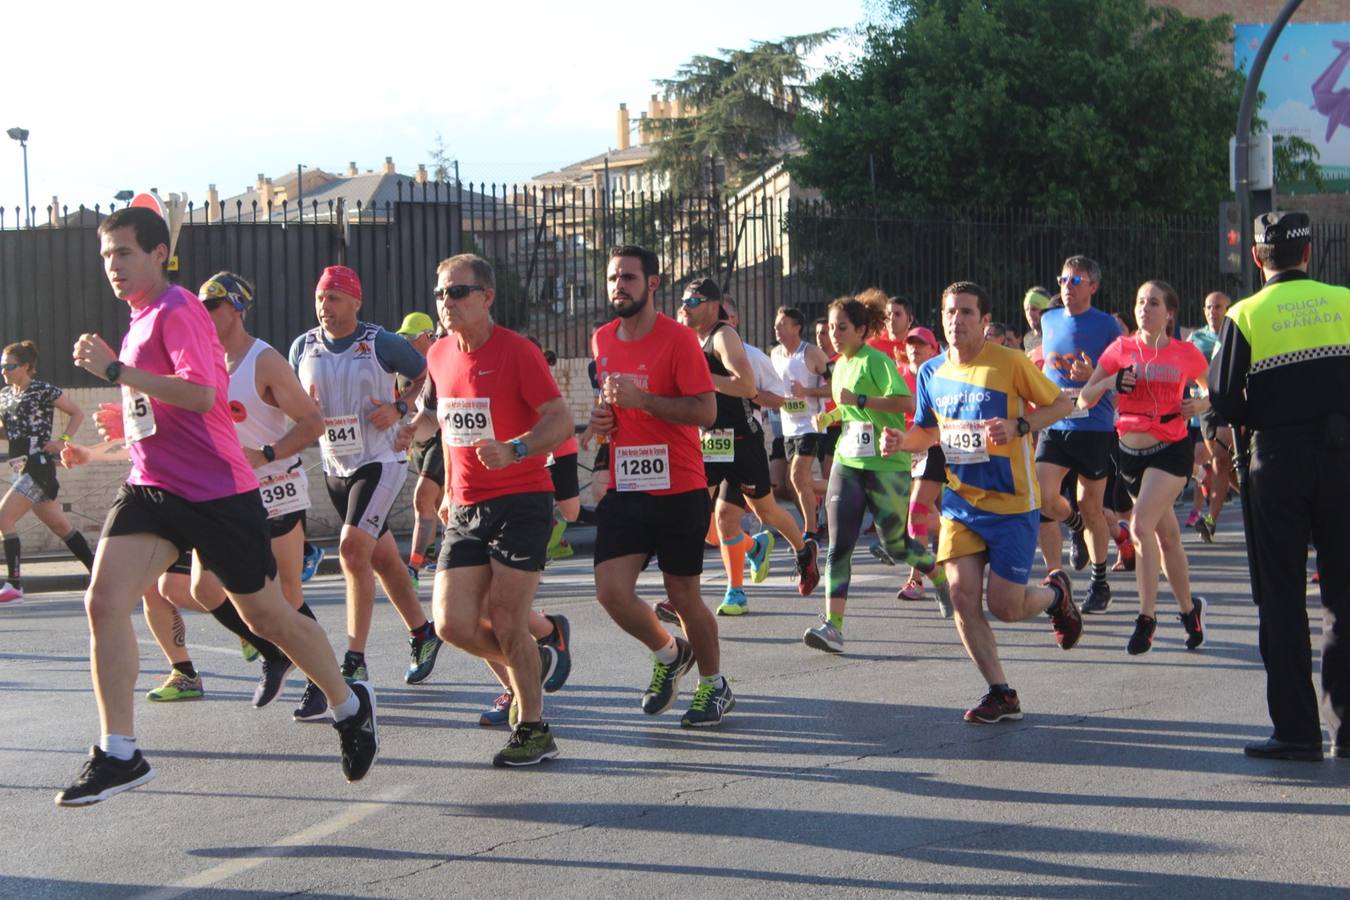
(250, 652)
(527, 747)
(758, 556)
(177, 687)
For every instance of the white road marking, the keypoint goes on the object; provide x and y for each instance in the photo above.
(311, 835)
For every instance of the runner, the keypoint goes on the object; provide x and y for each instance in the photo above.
(1073, 341)
(802, 367)
(348, 367)
(562, 471)
(657, 391)
(1034, 304)
(424, 458)
(974, 399)
(821, 328)
(1152, 372)
(26, 407)
(735, 459)
(500, 415)
(870, 395)
(190, 487)
(1217, 435)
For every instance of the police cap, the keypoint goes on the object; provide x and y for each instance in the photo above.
(1282, 228)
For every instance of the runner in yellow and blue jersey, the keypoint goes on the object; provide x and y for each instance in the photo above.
(976, 400)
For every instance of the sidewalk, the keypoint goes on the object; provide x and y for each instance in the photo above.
(50, 573)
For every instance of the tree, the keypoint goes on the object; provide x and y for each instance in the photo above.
(740, 107)
(441, 162)
(1063, 105)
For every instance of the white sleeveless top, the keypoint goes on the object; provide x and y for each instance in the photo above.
(257, 422)
(796, 414)
(345, 382)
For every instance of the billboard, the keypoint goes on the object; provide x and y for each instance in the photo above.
(1307, 86)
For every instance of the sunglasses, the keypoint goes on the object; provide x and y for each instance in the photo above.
(456, 291)
(692, 300)
(9, 367)
(1074, 280)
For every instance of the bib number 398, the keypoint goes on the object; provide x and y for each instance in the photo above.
(285, 493)
(642, 468)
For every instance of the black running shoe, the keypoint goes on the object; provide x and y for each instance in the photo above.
(103, 776)
(1079, 554)
(548, 663)
(665, 684)
(1142, 639)
(313, 705)
(357, 735)
(808, 567)
(560, 641)
(271, 681)
(1098, 598)
(1194, 623)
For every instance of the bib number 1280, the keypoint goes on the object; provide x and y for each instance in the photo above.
(642, 468)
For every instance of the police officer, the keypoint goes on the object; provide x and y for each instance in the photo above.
(1282, 374)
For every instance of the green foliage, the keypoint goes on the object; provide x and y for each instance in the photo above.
(1061, 105)
(1296, 164)
(741, 106)
(441, 161)
(510, 308)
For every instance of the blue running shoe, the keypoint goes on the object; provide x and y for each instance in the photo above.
(560, 641)
(758, 556)
(313, 556)
(733, 603)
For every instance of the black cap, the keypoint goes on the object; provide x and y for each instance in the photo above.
(706, 288)
(1282, 228)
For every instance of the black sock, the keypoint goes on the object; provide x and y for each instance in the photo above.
(424, 632)
(305, 611)
(351, 661)
(77, 545)
(1002, 688)
(1074, 521)
(12, 562)
(228, 616)
(1099, 573)
(187, 668)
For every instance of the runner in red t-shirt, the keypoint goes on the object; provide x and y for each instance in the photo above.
(1151, 371)
(656, 392)
(500, 415)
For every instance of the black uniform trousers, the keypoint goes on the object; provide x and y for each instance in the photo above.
(1299, 491)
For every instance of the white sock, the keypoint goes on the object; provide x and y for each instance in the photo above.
(347, 708)
(668, 654)
(716, 681)
(118, 746)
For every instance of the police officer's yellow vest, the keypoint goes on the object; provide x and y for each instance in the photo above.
(1294, 321)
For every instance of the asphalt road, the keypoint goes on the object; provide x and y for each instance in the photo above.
(835, 774)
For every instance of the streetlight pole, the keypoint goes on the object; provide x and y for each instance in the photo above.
(21, 135)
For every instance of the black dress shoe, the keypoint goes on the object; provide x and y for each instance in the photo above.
(1274, 748)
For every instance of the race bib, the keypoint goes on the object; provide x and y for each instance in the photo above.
(465, 421)
(138, 416)
(642, 468)
(794, 406)
(285, 493)
(719, 445)
(1075, 413)
(964, 442)
(341, 435)
(858, 440)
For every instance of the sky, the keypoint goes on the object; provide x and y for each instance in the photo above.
(223, 92)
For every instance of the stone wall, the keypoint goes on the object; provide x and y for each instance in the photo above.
(88, 491)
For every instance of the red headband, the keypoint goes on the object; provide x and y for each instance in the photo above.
(342, 279)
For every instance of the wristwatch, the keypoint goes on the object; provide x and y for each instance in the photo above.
(401, 407)
(1023, 427)
(269, 453)
(862, 401)
(113, 371)
(519, 446)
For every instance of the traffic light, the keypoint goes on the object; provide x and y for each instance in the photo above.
(1230, 238)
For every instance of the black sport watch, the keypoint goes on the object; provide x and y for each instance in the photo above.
(1023, 427)
(269, 453)
(113, 371)
(401, 407)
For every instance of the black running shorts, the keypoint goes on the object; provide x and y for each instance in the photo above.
(670, 527)
(513, 530)
(1086, 453)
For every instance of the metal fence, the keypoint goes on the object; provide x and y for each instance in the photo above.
(550, 247)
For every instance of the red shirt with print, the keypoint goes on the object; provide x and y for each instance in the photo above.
(668, 362)
(1161, 379)
(492, 392)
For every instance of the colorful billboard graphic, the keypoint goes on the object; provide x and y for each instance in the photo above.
(1307, 86)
